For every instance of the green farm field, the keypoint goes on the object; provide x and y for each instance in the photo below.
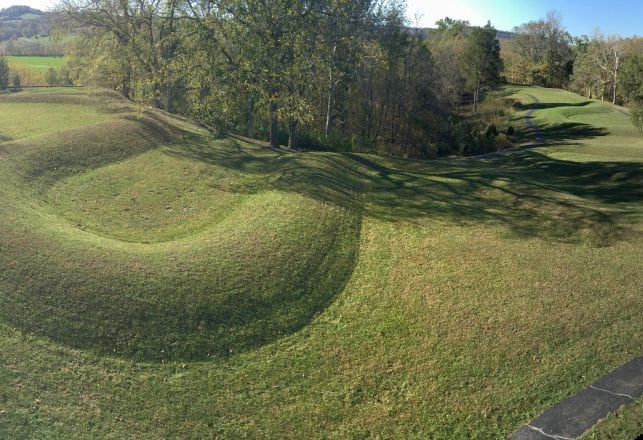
(156, 282)
(38, 65)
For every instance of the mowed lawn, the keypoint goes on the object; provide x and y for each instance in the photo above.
(158, 283)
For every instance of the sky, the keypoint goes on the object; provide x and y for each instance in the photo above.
(620, 17)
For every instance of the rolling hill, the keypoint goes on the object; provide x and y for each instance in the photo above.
(156, 282)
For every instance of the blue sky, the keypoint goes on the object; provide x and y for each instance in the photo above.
(622, 17)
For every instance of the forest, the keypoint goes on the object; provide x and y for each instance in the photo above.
(334, 74)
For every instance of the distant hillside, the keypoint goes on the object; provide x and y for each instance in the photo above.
(505, 35)
(20, 13)
(20, 27)
(502, 35)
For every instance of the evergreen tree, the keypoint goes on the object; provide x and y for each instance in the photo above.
(4, 73)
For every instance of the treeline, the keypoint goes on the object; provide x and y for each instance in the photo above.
(327, 74)
(33, 47)
(599, 67)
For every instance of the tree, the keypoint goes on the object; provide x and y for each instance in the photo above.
(544, 51)
(608, 57)
(451, 28)
(346, 24)
(588, 77)
(127, 39)
(4, 73)
(51, 76)
(263, 45)
(447, 44)
(632, 87)
(481, 61)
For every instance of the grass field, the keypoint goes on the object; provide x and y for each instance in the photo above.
(38, 65)
(158, 283)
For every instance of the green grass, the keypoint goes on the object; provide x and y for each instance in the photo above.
(578, 129)
(38, 65)
(623, 424)
(157, 283)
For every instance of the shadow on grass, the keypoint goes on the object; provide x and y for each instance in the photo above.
(565, 133)
(526, 192)
(547, 105)
(569, 132)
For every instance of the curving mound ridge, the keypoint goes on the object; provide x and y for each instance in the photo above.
(135, 234)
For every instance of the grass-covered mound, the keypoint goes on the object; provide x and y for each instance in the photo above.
(478, 292)
(118, 237)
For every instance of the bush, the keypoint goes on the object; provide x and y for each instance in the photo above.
(51, 77)
(319, 142)
(16, 80)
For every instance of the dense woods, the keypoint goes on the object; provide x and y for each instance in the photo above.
(326, 74)
(335, 74)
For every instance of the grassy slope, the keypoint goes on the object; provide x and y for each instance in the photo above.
(623, 424)
(404, 299)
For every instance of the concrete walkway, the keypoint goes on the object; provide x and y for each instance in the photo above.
(574, 416)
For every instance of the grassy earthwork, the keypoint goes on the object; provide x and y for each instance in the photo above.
(156, 282)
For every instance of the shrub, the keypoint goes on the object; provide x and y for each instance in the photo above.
(16, 80)
(51, 77)
(319, 142)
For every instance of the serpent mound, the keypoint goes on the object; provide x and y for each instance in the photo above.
(116, 243)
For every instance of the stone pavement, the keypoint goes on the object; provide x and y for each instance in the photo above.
(574, 416)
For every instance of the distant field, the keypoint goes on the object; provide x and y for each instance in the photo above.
(38, 65)
(158, 283)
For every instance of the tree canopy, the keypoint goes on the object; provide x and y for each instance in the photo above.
(330, 74)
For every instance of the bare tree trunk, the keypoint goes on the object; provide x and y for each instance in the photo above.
(292, 133)
(617, 59)
(476, 97)
(329, 104)
(274, 127)
(614, 95)
(615, 82)
(331, 94)
(127, 78)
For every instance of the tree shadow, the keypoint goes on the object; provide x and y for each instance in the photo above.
(520, 106)
(564, 133)
(568, 132)
(526, 192)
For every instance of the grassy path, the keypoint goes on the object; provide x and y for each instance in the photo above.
(156, 283)
(539, 139)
